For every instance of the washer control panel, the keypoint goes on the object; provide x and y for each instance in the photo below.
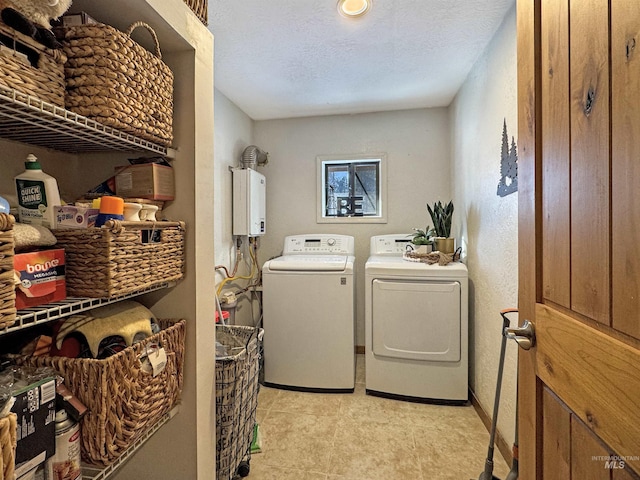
(321, 244)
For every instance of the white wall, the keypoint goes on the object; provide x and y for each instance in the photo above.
(488, 223)
(417, 146)
(233, 133)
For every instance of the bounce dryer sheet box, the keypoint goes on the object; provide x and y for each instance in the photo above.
(70, 216)
(39, 278)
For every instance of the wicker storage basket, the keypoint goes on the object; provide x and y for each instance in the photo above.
(7, 286)
(123, 400)
(200, 8)
(8, 429)
(42, 76)
(114, 81)
(236, 397)
(121, 257)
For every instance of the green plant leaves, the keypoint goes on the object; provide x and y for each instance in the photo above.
(441, 216)
(422, 237)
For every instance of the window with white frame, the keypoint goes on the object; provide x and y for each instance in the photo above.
(351, 189)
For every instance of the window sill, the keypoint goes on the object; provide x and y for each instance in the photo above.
(351, 220)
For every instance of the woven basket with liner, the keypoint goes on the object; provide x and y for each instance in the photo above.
(236, 396)
(7, 286)
(122, 257)
(8, 430)
(123, 400)
(40, 75)
(200, 8)
(113, 80)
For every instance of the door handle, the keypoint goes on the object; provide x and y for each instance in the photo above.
(525, 335)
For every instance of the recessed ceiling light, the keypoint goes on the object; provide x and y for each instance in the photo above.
(354, 8)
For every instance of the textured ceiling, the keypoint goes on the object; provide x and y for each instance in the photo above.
(294, 58)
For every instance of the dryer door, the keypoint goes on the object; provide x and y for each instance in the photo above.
(416, 320)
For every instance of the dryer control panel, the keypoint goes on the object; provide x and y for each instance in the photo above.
(321, 244)
(392, 244)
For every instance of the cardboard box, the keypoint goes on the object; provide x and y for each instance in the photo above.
(41, 276)
(37, 473)
(73, 19)
(148, 180)
(35, 406)
(70, 216)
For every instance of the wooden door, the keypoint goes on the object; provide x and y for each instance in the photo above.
(579, 238)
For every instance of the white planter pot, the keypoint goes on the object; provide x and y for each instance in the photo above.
(422, 248)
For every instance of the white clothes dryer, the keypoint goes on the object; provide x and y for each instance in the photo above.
(416, 325)
(309, 314)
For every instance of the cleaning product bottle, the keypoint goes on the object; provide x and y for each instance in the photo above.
(111, 208)
(4, 205)
(37, 194)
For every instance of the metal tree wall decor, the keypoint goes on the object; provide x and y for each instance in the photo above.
(508, 165)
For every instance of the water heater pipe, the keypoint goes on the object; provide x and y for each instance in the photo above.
(253, 156)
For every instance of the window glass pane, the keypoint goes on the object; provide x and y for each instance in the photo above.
(338, 179)
(337, 185)
(350, 187)
(366, 186)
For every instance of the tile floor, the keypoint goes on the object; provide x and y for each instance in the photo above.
(311, 436)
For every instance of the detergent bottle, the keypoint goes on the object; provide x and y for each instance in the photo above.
(37, 194)
(4, 206)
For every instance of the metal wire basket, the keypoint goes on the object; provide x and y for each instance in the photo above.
(237, 367)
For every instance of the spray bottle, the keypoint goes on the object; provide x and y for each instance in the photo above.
(37, 194)
(4, 206)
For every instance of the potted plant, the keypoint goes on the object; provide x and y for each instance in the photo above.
(441, 216)
(422, 239)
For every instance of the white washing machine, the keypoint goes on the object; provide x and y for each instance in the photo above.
(309, 314)
(416, 325)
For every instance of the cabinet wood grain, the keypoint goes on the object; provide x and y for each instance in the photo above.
(589, 64)
(556, 446)
(587, 368)
(587, 454)
(625, 167)
(556, 191)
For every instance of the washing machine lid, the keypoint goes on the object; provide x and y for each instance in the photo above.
(390, 265)
(310, 263)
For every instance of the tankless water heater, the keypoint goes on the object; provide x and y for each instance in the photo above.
(249, 202)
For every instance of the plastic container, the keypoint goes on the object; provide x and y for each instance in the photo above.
(230, 309)
(37, 194)
(132, 211)
(111, 208)
(225, 317)
(148, 212)
(4, 205)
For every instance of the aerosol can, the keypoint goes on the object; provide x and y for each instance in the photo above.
(65, 463)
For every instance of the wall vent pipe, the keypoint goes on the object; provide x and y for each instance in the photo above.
(253, 156)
